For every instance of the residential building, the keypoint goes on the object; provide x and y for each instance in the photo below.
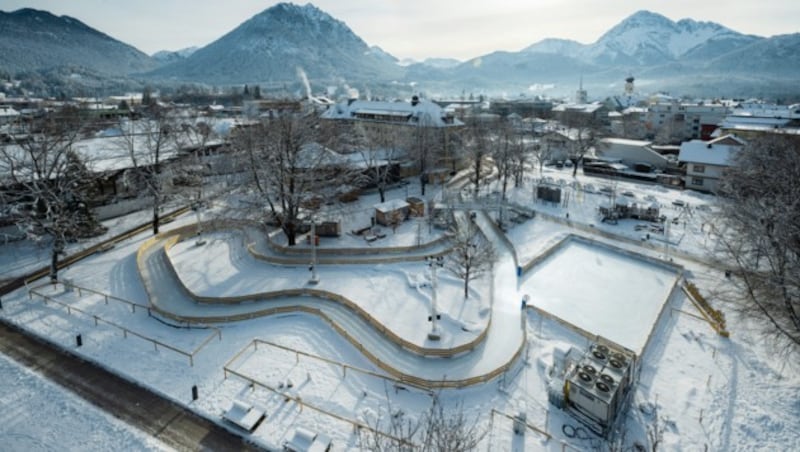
(668, 122)
(706, 161)
(749, 120)
(8, 114)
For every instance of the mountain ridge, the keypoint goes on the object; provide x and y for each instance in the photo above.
(32, 39)
(272, 45)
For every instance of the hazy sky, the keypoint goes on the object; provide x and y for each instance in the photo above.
(414, 28)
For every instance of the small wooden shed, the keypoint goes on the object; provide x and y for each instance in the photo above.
(416, 206)
(391, 212)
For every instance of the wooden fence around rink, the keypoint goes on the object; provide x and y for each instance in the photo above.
(709, 314)
(354, 252)
(173, 237)
(398, 375)
(536, 429)
(73, 258)
(125, 331)
(298, 353)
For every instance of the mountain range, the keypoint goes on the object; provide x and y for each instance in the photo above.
(33, 40)
(273, 45)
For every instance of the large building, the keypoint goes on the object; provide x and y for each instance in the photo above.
(419, 124)
(676, 122)
(418, 112)
(749, 120)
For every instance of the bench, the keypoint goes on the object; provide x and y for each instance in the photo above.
(244, 415)
(361, 231)
(304, 440)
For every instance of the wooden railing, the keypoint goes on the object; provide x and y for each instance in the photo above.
(22, 281)
(175, 236)
(125, 331)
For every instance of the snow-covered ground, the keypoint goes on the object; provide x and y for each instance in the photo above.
(601, 290)
(727, 394)
(38, 415)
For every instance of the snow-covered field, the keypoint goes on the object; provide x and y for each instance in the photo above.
(37, 415)
(601, 290)
(726, 394)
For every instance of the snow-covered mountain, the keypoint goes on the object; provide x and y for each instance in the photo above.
(32, 40)
(170, 56)
(647, 38)
(668, 53)
(271, 45)
(564, 47)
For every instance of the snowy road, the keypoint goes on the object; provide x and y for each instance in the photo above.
(502, 341)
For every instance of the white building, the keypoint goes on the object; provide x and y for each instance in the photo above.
(8, 114)
(417, 112)
(632, 153)
(749, 120)
(706, 161)
(681, 121)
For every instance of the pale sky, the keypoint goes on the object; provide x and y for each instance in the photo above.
(416, 29)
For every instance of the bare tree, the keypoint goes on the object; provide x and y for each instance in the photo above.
(472, 254)
(542, 152)
(291, 171)
(147, 143)
(450, 430)
(760, 235)
(479, 144)
(584, 133)
(509, 155)
(438, 429)
(424, 146)
(379, 154)
(193, 135)
(46, 188)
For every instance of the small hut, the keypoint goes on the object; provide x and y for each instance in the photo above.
(416, 207)
(391, 212)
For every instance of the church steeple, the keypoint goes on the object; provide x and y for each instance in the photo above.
(581, 97)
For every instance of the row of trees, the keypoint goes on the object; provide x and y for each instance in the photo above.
(48, 188)
(287, 168)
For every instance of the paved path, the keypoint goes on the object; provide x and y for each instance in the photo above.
(170, 423)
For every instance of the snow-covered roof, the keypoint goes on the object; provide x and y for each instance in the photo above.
(582, 108)
(625, 142)
(390, 205)
(315, 155)
(423, 112)
(6, 111)
(739, 120)
(717, 152)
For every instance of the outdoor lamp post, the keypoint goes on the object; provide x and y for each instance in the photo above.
(196, 206)
(314, 278)
(434, 262)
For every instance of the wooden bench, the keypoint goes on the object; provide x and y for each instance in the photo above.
(304, 440)
(244, 415)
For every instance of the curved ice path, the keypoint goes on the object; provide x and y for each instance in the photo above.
(503, 340)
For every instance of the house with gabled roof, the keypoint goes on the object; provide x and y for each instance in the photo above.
(706, 161)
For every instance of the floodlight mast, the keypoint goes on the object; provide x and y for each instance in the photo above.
(434, 262)
(314, 277)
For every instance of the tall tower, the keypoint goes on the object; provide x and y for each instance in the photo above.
(581, 97)
(629, 86)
